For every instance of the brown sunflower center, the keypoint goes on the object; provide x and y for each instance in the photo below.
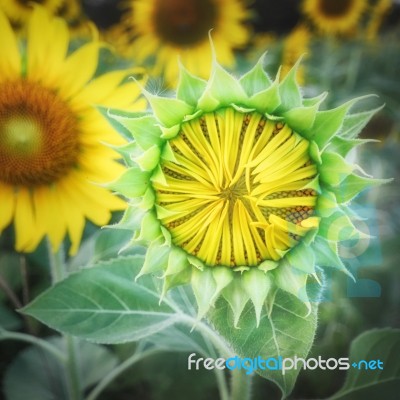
(335, 8)
(240, 191)
(184, 22)
(38, 135)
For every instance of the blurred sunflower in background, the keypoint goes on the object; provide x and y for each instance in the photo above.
(334, 17)
(51, 136)
(166, 30)
(18, 11)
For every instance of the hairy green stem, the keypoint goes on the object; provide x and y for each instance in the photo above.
(134, 358)
(240, 385)
(74, 385)
(5, 335)
(58, 273)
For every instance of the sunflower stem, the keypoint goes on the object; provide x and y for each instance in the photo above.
(58, 273)
(240, 385)
(57, 265)
(43, 344)
(138, 355)
(74, 386)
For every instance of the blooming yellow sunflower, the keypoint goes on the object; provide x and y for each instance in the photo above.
(167, 29)
(334, 16)
(240, 186)
(50, 133)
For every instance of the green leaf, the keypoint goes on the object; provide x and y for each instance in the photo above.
(286, 332)
(36, 375)
(361, 384)
(104, 304)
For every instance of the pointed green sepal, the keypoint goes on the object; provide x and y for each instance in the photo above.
(289, 90)
(156, 259)
(223, 277)
(302, 258)
(267, 100)
(167, 110)
(237, 298)
(327, 255)
(190, 87)
(170, 132)
(147, 201)
(177, 262)
(127, 150)
(132, 183)
(149, 230)
(207, 102)
(301, 118)
(311, 101)
(329, 123)
(171, 281)
(257, 284)
(204, 289)
(195, 262)
(334, 168)
(343, 146)
(224, 88)
(115, 117)
(292, 281)
(315, 152)
(256, 78)
(131, 220)
(158, 176)
(149, 159)
(353, 185)
(338, 227)
(168, 154)
(326, 203)
(267, 265)
(143, 129)
(354, 123)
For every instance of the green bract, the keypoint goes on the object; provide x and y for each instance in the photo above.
(240, 186)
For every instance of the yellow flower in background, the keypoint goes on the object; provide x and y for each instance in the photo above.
(334, 16)
(167, 30)
(18, 11)
(51, 136)
(378, 13)
(295, 45)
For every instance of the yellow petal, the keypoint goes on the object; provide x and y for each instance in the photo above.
(10, 60)
(7, 205)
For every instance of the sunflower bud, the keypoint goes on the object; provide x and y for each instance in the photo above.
(240, 186)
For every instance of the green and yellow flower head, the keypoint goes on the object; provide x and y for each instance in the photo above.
(240, 186)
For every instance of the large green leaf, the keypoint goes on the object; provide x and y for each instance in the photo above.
(361, 384)
(287, 332)
(36, 375)
(105, 304)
